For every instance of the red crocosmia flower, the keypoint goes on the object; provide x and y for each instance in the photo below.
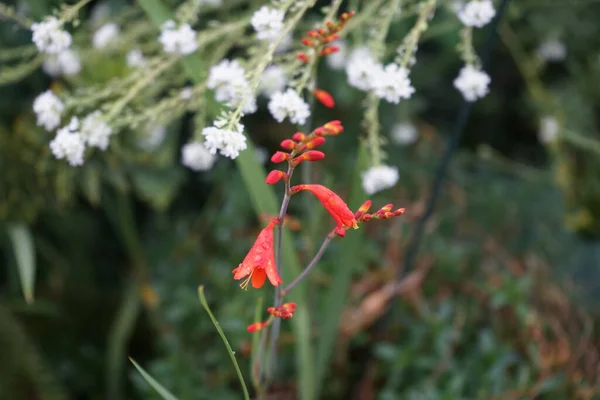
(259, 263)
(344, 218)
(324, 97)
(275, 176)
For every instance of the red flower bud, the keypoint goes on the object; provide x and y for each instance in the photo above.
(313, 155)
(284, 311)
(363, 209)
(275, 176)
(343, 217)
(316, 142)
(366, 217)
(257, 326)
(297, 161)
(324, 97)
(279, 157)
(302, 57)
(320, 131)
(308, 42)
(329, 50)
(399, 211)
(288, 144)
(313, 34)
(330, 24)
(322, 31)
(333, 127)
(299, 137)
(331, 38)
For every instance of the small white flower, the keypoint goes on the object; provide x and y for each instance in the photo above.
(135, 58)
(404, 133)
(552, 50)
(472, 83)
(228, 142)
(48, 109)
(272, 80)
(267, 22)
(186, 93)
(379, 178)
(228, 80)
(549, 129)
(95, 130)
(362, 69)
(195, 156)
(68, 143)
(152, 138)
(338, 59)
(64, 63)
(290, 105)
(477, 13)
(104, 35)
(49, 37)
(392, 84)
(178, 40)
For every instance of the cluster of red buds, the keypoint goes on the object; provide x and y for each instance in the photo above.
(284, 311)
(320, 39)
(384, 212)
(300, 148)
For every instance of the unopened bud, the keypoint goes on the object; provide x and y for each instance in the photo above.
(279, 157)
(333, 127)
(299, 137)
(275, 176)
(316, 142)
(399, 211)
(308, 42)
(288, 144)
(302, 57)
(313, 34)
(313, 155)
(331, 38)
(324, 97)
(367, 217)
(257, 326)
(363, 209)
(329, 50)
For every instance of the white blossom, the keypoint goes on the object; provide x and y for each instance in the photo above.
(48, 109)
(69, 143)
(392, 83)
(472, 83)
(549, 129)
(362, 69)
(272, 80)
(228, 80)
(267, 23)
(95, 130)
(178, 40)
(152, 137)
(404, 133)
(552, 50)
(290, 105)
(186, 93)
(228, 142)
(338, 59)
(379, 178)
(66, 62)
(135, 58)
(104, 35)
(49, 37)
(196, 157)
(476, 13)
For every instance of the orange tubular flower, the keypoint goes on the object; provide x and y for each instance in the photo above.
(344, 218)
(259, 263)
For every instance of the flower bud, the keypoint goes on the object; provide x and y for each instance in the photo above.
(333, 127)
(279, 157)
(288, 144)
(324, 97)
(363, 209)
(316, 142)
(299, 137)
(297, 161)
(399, 211)
(313, 34)
(329, 50)
(331, 38)
(340, 231)
(367, 217)
(313, 155)
(257, 326)
(322, 32)
(307, 42)
(302, 57)
(275, 176)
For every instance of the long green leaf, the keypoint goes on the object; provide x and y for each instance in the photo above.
(337, 294)
(263, 200)
(22, 242)
(225, 341)
(164, 393)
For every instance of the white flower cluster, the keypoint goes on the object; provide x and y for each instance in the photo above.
(49, 37)
(552, 50)
(390, 82)
(66, 62)
(379, 178)
(228, 142)
(228, 80)
(267, 23)
(196, 157)
(104, 35)
(290, 105)
(476, 13)
(472, 83)
(272, 80)
(549, 129)
(71, 140)
(48, 109)
(404, 133)
(178, 40)
(135, 58)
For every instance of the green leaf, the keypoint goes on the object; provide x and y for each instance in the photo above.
(23, 247)
(227, 345)
(164, 393)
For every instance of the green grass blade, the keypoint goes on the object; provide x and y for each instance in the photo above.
(264, 201)
(227, 345)
(164, 393)
(338, 291)
(24, 249)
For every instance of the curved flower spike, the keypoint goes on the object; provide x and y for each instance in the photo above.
(344, 218)
(259, 263)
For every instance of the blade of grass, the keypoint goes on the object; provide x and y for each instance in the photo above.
(336, 296)
(255, 345)
(264, 202)
(164, 393)
(227, 345)
(24, 250)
